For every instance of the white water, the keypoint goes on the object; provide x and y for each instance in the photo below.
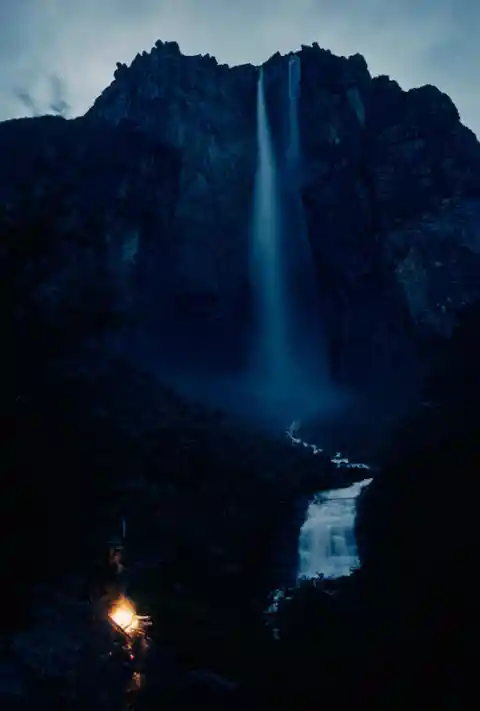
(338, 459)
(327, 541)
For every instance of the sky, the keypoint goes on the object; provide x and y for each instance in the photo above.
(54, 51)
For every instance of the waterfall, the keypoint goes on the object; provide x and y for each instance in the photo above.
(289, 364)
(273, 343)
(303, 278)
(327, 541)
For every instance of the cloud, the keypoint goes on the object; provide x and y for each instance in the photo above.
(414, 41)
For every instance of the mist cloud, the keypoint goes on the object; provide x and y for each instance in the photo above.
(414, 41)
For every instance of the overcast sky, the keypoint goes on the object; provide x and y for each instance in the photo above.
(79, 41)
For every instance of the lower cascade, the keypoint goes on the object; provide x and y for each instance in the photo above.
(327, 543)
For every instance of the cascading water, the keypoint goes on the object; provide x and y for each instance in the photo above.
(302, 276)
(288, 358)
(287, 374)
(327, 541)
(273, 358)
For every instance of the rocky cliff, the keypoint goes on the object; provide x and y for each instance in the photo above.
(391, 188)
(83, 209)
(129, 226)
(390, 183)
(207, 112)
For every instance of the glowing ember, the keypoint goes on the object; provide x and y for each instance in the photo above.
(124, 616)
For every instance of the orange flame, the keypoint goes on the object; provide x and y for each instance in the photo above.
(124, 615)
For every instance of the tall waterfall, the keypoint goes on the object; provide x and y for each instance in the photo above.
(274, 359)
(327, 541)
(302, 275)
(289, 355)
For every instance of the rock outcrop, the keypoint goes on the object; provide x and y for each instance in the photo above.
(207, 112)
(81, 227)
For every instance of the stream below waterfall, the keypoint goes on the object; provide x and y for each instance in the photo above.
(327, 543)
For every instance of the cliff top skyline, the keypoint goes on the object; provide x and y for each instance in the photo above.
(58, 55)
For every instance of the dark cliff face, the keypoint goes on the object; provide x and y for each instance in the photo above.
(79, 223)
(390, 184)
(410, 506)
(207, 111)
(418, 536)
(391, 190)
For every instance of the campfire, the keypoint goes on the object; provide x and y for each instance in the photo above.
(124, 619)
(124, 616)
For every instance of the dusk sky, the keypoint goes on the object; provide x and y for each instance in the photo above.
(414, 41)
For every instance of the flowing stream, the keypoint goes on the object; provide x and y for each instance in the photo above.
(327, 540)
